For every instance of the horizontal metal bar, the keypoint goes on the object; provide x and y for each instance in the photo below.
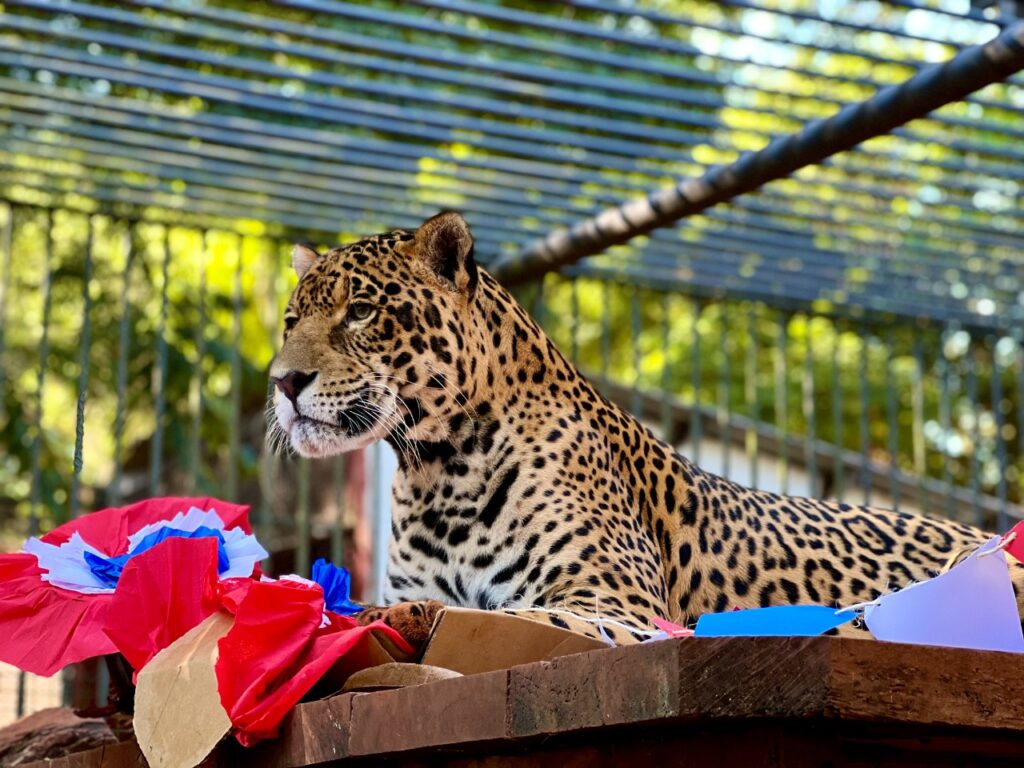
(212, 212)
(870, 310)
(216, 94)
(221, 176)
(930, 88)
(663, 18)
(465, 75)
(433, 124)
(881, 285)
(157, 156)
(564, 26)
(377, 86)
(489, 180)
(719, 264)
(586, 55)
(159, 159)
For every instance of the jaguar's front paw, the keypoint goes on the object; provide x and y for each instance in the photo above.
(412, 620)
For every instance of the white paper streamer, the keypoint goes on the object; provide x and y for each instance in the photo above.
(65, 564)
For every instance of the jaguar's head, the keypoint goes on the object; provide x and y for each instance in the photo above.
(374, 335)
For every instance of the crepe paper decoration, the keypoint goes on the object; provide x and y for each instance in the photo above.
(75, 561)
(972, 605)
(162, 594)
(277, 650)
(43, 628)
(776, 621)
(337, 584)
(109, 569)
(670, 629)
(67, 566)
(52, 618)
(242, 549)
(110, 530)
(1014, 541)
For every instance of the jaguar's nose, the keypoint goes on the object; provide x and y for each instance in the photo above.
(292, 384)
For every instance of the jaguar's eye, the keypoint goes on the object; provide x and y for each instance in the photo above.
(361, 311)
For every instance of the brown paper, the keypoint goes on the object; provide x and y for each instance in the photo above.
(470, 641)
(178, 715)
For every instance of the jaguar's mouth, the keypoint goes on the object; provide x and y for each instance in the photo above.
(341, 430)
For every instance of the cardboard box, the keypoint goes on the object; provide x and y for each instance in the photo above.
(179, 719)
(470, 641)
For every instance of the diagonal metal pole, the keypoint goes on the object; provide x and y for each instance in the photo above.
(931, 88)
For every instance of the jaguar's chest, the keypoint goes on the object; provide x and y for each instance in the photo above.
(463, 536)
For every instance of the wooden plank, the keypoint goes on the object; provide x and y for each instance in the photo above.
(854, 701)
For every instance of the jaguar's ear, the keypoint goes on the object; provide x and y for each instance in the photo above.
(445, 245)
(304, 256)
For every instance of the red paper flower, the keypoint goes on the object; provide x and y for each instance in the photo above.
(44, 627)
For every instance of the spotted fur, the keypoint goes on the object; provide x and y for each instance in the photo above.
(520, 485)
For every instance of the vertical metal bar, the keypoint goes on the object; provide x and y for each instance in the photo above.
(725, 405)
(606, 309)
(160, 373)
(102, 694)
(36, 455)
(83, 371)
(634, 324)
(865, 434)
(807, 388)
(383, 464)
(837, 420)
(124, 342)
(695, 373)
(1002, 519)
(751, 394)
(970, 362)
(19, 704)
(198, 376)
(5, 283)
(917, 394)
(234, 422)
(666, 368)
(7, 246)
(271, 462)
(574, 299)
(338, 531)
(44, 354)
(539, 307)
(945, 423)
(302, 521)
(892, 428)
(1019, 376)
(781, 405)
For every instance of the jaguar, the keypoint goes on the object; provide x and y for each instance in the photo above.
(519, 487)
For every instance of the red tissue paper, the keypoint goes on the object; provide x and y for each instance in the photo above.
(45, 627)
(281, 644)
(163, 593)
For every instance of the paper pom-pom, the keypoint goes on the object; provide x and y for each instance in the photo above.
(53, 606)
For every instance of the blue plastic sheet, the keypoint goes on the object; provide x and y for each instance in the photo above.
(776, 621)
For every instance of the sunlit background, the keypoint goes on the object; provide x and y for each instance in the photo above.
(853, 331)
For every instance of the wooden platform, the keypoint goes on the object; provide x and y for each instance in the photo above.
(696, 702)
